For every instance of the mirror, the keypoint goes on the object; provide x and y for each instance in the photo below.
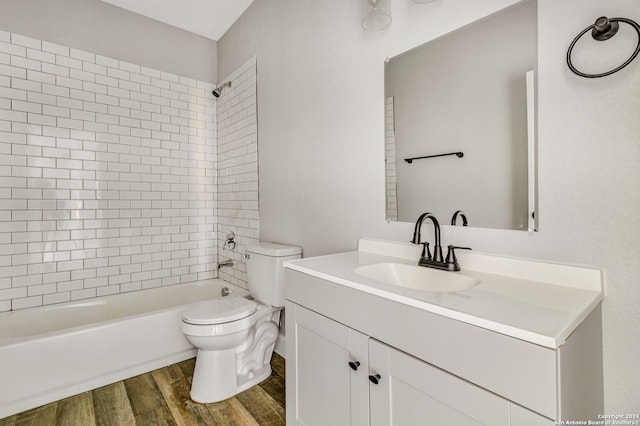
(470, 93)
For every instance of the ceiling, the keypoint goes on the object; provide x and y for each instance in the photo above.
(208, 18)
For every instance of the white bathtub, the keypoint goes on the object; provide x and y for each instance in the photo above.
(52, 352)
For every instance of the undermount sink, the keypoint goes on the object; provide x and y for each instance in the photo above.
(417, 277)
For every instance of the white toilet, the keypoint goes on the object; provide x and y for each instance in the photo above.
(235, 336)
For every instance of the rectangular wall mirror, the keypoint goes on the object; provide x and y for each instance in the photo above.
(470, 93)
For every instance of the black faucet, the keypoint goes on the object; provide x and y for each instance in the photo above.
(416, 230)
(437, 249)
(435, 261)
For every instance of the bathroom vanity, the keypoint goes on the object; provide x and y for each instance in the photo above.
(519, 344)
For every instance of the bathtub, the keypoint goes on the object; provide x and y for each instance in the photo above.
(53, 352)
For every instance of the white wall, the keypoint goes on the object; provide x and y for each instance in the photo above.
(107, 30)
(321, 151)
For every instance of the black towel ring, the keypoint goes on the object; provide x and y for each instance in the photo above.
(604, 29)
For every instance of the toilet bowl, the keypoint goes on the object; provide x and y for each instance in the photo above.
(235, 336)
(235, 339)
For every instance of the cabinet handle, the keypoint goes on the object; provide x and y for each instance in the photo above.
(375, 379)
(354, 365)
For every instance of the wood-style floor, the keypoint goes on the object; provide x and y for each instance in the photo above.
(161, 397)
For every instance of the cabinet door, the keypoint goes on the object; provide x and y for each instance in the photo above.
(322, 387)
(412, 392)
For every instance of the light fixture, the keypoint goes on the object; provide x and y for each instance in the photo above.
(376, 14)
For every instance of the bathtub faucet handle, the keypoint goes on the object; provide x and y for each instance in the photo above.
(225, 291)
(230, 242)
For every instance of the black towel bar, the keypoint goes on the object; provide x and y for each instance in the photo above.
(458, 154)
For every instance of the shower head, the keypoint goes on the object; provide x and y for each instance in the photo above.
(218, 90)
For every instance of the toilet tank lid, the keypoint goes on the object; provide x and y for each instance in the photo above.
(274, 249)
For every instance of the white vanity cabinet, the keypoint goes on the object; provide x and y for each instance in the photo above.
(432, 370)
(338, 376)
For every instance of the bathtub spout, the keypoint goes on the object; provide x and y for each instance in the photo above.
(225, 263)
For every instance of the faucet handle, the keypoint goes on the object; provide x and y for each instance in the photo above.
(451, 255)
(454, 218)
(426, 253)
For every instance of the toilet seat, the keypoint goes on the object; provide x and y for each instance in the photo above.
(219, 311)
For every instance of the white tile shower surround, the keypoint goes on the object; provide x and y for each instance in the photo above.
(390, 159)
(108, 174)
(237, 154)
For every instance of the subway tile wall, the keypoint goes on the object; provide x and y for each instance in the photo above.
(108, 174)
(237, 190)
(390, 159)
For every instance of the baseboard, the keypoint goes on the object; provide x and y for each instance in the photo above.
(281, 346)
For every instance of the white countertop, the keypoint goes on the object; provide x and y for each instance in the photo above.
(538, 302)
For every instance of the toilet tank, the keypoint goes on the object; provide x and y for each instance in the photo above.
(265, 273)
